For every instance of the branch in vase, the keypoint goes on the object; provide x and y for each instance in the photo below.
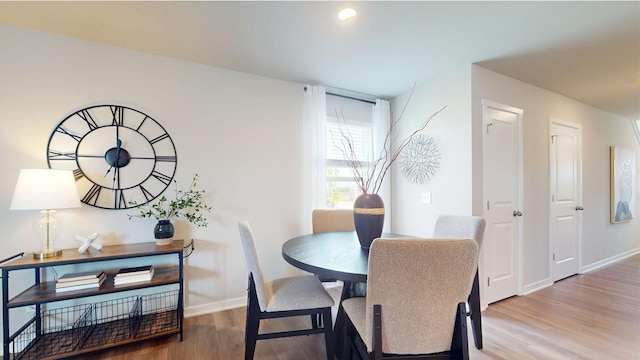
(380, 166)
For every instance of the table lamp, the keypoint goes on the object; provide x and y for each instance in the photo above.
(45, 190)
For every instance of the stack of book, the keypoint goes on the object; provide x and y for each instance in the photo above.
(79, 281)
(133, 274)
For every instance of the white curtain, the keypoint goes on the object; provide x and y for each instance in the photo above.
(314, 128)
(381, 119)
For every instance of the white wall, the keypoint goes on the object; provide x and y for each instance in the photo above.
(450, 187)
(240, 132)
(602, 242)
(457, 186)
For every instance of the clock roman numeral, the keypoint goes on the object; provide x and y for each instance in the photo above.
(119, 200)
(77, 174)
(91, 197)
(142, 123)
(161, 137)
(166, 158)
(161, 177)
(57, 155)
(147, 195)
(62, 130)
(84, 115)
(118, 115)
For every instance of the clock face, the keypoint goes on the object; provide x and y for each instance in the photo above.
(118, 155)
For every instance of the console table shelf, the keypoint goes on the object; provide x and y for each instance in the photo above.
(85, 328)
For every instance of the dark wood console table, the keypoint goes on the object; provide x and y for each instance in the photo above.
(78, 327)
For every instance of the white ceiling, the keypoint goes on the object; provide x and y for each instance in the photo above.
(588, 51)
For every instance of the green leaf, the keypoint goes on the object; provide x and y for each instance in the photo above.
(185, 204)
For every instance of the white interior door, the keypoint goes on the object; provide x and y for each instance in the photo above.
(566, 196)
(503, 201)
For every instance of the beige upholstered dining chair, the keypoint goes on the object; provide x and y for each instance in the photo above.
(465, 227)
(325, 220)
(285, 297)
(415, 302)
(329, 220)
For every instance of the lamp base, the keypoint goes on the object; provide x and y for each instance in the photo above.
(46, 253)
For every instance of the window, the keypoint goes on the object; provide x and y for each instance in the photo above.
(354, 118)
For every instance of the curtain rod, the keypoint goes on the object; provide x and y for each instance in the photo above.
(347, 97)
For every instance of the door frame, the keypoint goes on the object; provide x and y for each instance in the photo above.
(488, 104)
(553, 120)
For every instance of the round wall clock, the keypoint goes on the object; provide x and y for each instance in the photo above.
(121, 157)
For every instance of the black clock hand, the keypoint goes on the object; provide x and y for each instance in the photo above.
(117, 162)
(118, 141)
(118, 144)
(115, 174)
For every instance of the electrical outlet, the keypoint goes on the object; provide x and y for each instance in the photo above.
(425, 198)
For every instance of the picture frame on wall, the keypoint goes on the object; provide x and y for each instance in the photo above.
(623, 174)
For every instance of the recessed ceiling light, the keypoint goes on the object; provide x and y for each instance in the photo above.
(347, 14)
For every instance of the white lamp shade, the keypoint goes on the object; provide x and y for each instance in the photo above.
(45, 189)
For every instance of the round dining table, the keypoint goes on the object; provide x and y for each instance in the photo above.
(333, 255)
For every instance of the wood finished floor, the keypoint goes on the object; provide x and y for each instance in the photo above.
(591, 316)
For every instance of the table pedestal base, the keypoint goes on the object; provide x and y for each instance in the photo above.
(349, 290)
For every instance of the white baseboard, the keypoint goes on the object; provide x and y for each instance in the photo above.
(536, 286)
(215, 307)
(528, 289)
(602, 263)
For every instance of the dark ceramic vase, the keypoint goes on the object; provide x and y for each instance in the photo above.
(368, 216)
(163, 232)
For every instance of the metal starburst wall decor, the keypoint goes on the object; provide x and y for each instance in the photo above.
(420, 159)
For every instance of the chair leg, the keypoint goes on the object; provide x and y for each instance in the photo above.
(474, 307)
(252, 323)
(376, 342)
(340, 326)
(325, 318)
(251, 335)
(460, 342)
(345, 343)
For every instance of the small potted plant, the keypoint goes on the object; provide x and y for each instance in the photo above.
(187, 204)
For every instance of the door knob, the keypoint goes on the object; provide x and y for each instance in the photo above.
(579, 208)
(517, 213)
